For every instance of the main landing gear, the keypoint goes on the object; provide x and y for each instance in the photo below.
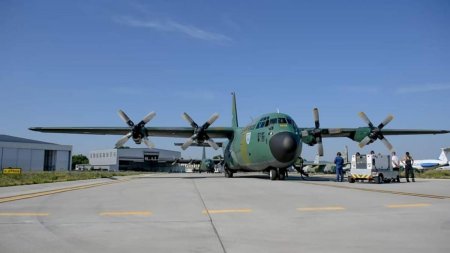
(228, 173)
(278, 174)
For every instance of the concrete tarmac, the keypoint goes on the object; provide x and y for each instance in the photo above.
(211, 213)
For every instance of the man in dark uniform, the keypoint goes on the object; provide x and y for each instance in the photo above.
(408, 160)
(339, 161)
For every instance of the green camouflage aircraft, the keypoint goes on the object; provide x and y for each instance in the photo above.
(271, 143)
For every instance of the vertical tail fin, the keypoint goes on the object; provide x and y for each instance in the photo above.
(234, 122)
(204, 154)
(444, 154)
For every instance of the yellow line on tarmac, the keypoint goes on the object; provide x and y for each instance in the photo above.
(408, 205)
(24, 214)
(126, 213)
(227, 211)
(326, 208)
(44, 193)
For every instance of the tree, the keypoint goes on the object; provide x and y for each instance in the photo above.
(79, 159)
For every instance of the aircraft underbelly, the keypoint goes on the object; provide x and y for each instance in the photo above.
(264, 165)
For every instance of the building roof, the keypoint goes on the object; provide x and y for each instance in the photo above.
(9, 138)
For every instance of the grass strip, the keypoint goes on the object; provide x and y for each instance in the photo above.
(60, 176)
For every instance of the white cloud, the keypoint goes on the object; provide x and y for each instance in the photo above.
(171, 26)
(423, 88)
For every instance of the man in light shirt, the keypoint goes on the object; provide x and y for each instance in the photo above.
(395, 162)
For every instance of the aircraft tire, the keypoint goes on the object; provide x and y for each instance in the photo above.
(282, 175)
(273, 174)
(228, 173)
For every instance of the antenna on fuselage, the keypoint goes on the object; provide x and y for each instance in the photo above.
(278, 110)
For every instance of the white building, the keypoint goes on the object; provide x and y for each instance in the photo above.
(31, 155)
(143, 159)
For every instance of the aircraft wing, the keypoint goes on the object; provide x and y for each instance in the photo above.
(363, 135)
(352, 132)
(213, 132)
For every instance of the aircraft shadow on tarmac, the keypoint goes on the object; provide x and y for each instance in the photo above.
(291, 177)
(294, 177)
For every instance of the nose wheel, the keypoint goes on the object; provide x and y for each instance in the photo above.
(277, 174)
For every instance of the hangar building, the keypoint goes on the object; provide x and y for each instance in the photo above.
(141, 159)
(31, 155)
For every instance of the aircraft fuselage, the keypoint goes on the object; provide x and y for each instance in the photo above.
(272, 141)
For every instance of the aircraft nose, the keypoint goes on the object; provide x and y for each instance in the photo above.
(283, 146)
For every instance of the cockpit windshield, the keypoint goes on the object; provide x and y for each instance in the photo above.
(267, 121)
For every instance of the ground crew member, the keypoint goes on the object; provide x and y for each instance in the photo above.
(395, 162)
(339, 161)
(408, 160)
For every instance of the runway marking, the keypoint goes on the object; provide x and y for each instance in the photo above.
(227, 211)
(382, 191)
(126, 213)
(408, 205)
(24, 214)
(50, 192)
(326, 208)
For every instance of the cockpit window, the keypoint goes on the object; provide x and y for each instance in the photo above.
(263, 122)
(273, 121)
(282, 121)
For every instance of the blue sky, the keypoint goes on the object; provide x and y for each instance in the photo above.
(75, 63)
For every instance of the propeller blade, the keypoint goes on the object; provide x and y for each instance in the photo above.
(175, 162)
(364, 117)
(125, 118)
(186, 117)
(320, 148)
(122, 140)
(212, 144)
(212, 118)
(387, 144)
(365, 141)
(386, 121)
(316, 117)
(148, 143)
(187, 143)
(148, 117)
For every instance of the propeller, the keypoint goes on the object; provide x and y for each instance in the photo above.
(316, 133)
(137, 132)
(375, 132)
(200, 134)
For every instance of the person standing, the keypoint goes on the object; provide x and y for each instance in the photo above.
(408, 160)
(395, 162)
(339, 161)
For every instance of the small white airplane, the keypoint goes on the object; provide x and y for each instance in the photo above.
(432, 163)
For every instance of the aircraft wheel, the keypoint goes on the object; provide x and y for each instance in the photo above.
(283, 174)
(228, 173)
(273, 174)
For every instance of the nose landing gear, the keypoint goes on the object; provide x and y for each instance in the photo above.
(278, 174)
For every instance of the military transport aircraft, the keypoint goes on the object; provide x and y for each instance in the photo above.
(271, 143)
(205, 164)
